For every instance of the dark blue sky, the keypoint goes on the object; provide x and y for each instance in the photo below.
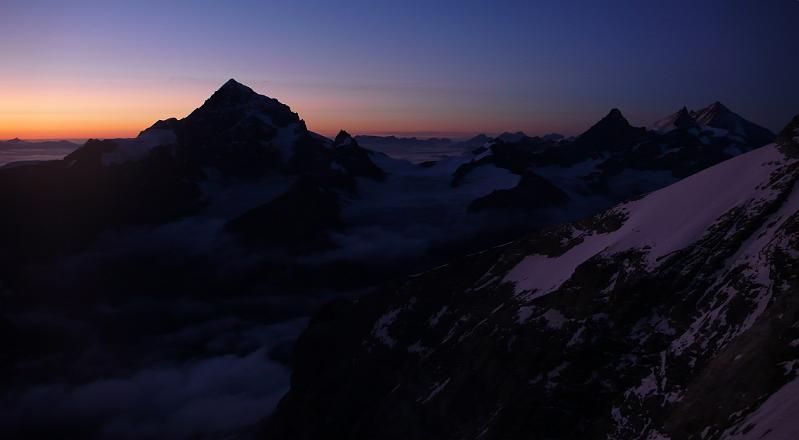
(389, 66)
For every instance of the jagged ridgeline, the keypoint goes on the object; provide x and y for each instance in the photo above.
(247, 167)
(671, 316)
(170, 171)
(611, 326)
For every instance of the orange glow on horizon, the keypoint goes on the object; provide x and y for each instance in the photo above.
(82, 109)
(108, 109)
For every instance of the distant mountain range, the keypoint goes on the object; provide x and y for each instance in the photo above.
(176, 169)
(239, 200)
(20, 151)
(716, 117)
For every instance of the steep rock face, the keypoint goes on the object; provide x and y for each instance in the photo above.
(668, 317)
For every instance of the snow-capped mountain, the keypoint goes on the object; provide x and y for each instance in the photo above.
(716, 120)
(172, 170)
(671, 316)
(614, 160)
(237, 132)
(247, 165)
(147, 255)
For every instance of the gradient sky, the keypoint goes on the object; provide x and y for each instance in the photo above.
(110, 68)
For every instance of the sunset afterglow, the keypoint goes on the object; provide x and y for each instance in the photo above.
(99, 69)
(416, 220)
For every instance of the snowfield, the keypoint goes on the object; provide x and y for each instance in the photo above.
(662, 222)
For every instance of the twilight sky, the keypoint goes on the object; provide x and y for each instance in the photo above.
(110, 68)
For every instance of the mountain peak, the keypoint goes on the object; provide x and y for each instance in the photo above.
(614, 119)
(231, 93)
(511, 137)
(233, 83)
(232, 86)
(611, 131)
(615, 113)
(718, 106)
(233, 103)
(713, 112)
(683, 118)
(717, 115)
(342, 138)
(683, 112)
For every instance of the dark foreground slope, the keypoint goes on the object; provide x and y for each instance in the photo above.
(673, 316)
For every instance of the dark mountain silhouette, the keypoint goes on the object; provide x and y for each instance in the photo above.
(511, 137)
(532, 193)
(156, 177)
(238, 217)
(613, 132)
(476, 141)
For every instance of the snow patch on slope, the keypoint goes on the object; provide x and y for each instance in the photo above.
(661, 223)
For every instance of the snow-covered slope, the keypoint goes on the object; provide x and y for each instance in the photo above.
(673, 316)
(662, 222)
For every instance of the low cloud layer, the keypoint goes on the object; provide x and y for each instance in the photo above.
(213, 378)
